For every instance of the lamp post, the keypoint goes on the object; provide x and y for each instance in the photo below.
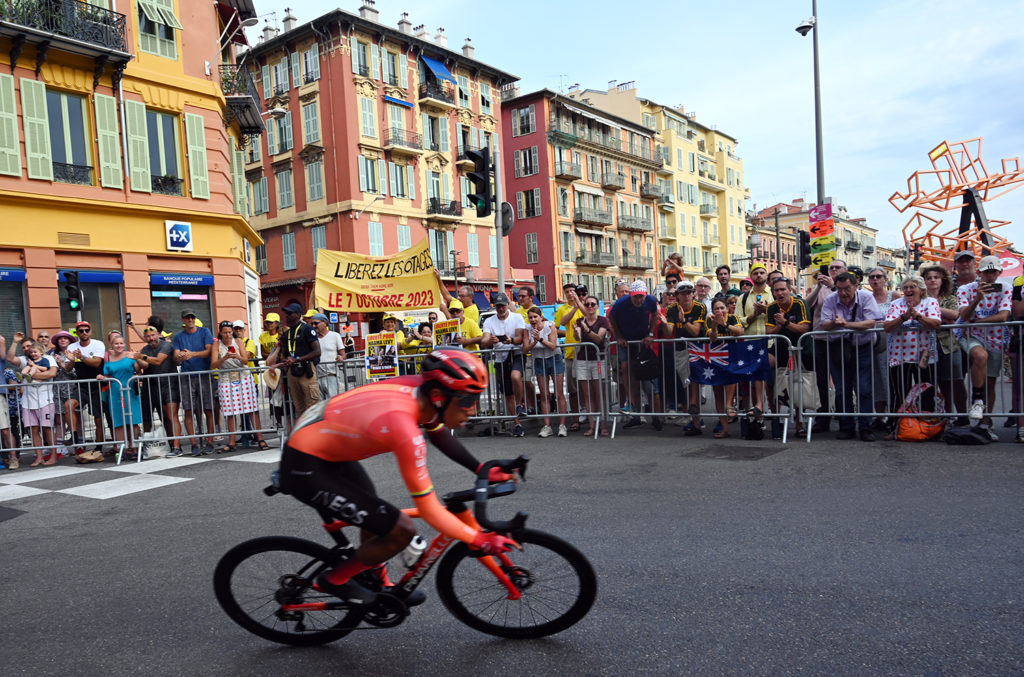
(804, 28)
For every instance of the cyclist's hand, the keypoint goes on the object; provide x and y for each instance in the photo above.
(496, 475)
(492, 544)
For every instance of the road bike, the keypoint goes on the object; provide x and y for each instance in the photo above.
(266, 584)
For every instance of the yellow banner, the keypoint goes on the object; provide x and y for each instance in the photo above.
(348, 282)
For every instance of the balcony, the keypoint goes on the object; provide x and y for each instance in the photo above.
(709, 179)
(451, 211)
(667, 233)
(634, 261)
(589, 258)
(439, 96)
(569, 171)
(869, 249)
(638, 223)
(280, 89)
(402, 141)
(886, 263)
(667, 202)
(852, 244)
(78, 174)
(463, 156)
(613, 181)
(710, 241)
(167, 185)
(243, 99)
(591, 216)
(650, 190)
(709, 210)
(899, 253)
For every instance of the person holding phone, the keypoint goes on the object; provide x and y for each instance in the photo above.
(235, 386)
(984, 302)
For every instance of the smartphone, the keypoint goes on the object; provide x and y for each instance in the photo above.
(231, 349)
(759, 298)
(824, 269)
(997, 286)
(127, 318)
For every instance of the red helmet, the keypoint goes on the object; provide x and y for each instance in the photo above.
(456, 370)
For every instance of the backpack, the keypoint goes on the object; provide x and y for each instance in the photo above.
(646, 364)
(966, 436)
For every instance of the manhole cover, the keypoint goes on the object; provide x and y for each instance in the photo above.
(734, 452)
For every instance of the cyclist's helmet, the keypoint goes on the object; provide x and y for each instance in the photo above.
(455, 371)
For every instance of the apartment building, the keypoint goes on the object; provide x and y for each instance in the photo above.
(702, 198)
(368, 150)
(120, 134)
(584, 183)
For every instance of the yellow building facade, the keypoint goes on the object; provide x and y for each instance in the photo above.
(120, 159)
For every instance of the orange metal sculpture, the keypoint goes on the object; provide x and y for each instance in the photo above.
(958, 173)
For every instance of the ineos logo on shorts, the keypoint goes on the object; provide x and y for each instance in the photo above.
(344, 508)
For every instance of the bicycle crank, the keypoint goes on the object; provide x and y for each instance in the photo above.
(387, 611)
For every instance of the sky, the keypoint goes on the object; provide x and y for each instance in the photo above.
(898, 77)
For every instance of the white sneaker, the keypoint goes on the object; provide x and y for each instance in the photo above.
(545, 432)
(976, 412)
(562, 432)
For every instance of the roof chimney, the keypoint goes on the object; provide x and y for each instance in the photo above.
(289, 19)
(440, 38)
(369, 11)
(404, 25)
(269, 32)
(611, 84)
(467, 49)
(421, 32)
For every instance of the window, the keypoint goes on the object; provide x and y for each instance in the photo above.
(693, 163)
(288, 251)
(492, 244)
(285, 197)
(258, 196)
(532, 255)
(404, 238)
(435, 133)
(376, 232)
(473, 247)
(567, 252)
(261, 259)
(440, 244)
(311, 63)
(319, 236)
(526, 163)
(311, 123)
(396, 116)
(563, 202)
(68, 132)
(315, 180)
(281, 76)
(164, 163)
(485, 98)
(650, 122)
(252, 152)
(283, 134)
(528, 203)
(369, 173)
(463, 91)
(157, 23)
(541, 287)
(524, 120)
(369, 124)
(360, 58)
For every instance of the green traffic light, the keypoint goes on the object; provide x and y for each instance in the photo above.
(74, 304)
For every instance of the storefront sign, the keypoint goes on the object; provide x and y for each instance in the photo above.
(181, 280)
(179, 236)
(12, 275)
(333, 318)
(357, 283)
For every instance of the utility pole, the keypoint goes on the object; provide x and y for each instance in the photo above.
(498, 237)
(778, 242)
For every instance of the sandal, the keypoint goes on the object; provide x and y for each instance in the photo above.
(263, 445)
(731, 413)
(604, 432)
(722, 433)
(574, 427)
(755, 413)
(589, 433)
(227, 448)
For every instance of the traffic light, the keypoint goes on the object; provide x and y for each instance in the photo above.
(75, 298)
(917, 256)
(803, 239)
(480, 177)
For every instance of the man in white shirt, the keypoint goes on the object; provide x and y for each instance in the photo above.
(982, 303)
(503, 332)
(88, 354)
(332, 351)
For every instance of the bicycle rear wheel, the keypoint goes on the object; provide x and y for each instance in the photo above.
(555, 580)
(255, 578)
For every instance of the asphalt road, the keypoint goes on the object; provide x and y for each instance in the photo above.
(739, 558)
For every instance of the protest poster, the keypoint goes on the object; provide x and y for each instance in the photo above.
(348, 282)
(381, 356)
(447, 332)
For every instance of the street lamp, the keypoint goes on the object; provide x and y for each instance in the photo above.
(805, 27)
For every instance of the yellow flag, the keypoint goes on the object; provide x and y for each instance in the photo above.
(348, 282)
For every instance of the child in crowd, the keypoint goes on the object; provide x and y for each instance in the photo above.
(37, 409)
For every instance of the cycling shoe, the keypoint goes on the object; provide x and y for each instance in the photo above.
(350, 591)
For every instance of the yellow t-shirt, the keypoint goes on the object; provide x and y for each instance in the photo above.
(250, 348)
(570, 331)
(268, 342)
(470, 329)
(471, 312)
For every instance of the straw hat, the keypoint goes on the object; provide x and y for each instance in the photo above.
(272, 377)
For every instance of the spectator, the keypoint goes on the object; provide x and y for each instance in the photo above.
(236, 386)
(824, 287)
(465, 296)
(723, 274)
(752, 309)
(565, 319)
(542, 345)
(119, 366)
(746, 284)
(506, 333)
(271, 334)
(788, 317)
(720, 324)
(593, 331)
(1016, 362)
(939, 286)
(331, 353)
(702, 293)
(7, 402)
(88, 365)
(731, 302)
(471, 336)
(774, 275)
(878, 284)
(37, 410)
(686, 319)
(850, 354)
(299, 352)
(965, 269)
(911, 322)
(673, 264)
(192, 350)
(65, 395)
(160, 387)
(633, 318)
(350, 343)
(621, 289)
(983, 302)
(238, 329)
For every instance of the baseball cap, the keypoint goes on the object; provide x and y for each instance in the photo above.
(990, 263)
(963, 253)
(187, 313)
(456, 304)
(310, 313)
(389, 316)
(638, 288)
(684, 284)
(758, 265)
(272, 317)
(581, 290)
(293, 308)
(83, 323)
(238, 323)
(569, 285)
(499, 300)
(320, 317)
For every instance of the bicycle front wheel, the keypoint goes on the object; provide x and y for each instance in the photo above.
(254, 579)
(556, 583)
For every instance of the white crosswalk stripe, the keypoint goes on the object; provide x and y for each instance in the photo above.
(123, 485)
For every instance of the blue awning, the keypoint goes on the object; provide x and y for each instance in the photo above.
(482, 300)
(439, 69)
(399, 102)
(100, 276)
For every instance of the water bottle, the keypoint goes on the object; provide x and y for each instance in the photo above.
(412, 552)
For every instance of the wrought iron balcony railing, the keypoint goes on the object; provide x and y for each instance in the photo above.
(69, 18)
(395, 136)
(167, 185)
(68, 173)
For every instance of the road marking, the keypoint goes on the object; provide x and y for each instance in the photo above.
(157, 465)
(123, 485)
(265, 456)
(38, 475)
(15, 491)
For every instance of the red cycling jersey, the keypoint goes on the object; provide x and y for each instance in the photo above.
(377, 419)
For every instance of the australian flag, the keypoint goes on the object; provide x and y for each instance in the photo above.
(720, 363)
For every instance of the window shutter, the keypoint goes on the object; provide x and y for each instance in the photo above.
(272, 137)
(410, 177)
(138, 147)
(375, 62)
(474, 138)
(394, 178)
(426, 132)
(195, 133)
(385, 63)
(37, 130)
(238, 180)
(361, 161)
(403, 71)
(268, 86)
(446, 194)
(451, 242)
(10, 150)
(286, 142)
(383, 173)
(442, 124)
(111, 175)
(314, 61)
(296, 70)
(518, 163)
(533, 117)
(534, 157)
(264, 196)
(520, 206)
(536, 202)
(354, 50)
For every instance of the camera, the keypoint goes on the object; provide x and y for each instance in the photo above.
(127, 318)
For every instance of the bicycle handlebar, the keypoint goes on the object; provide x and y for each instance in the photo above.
(481, 492)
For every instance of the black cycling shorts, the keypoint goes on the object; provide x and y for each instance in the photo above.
(337, 490)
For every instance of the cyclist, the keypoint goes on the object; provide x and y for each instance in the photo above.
(319, 462)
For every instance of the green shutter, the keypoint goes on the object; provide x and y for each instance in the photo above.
(442, 124)
(375, 61)
(195, 133)
(382, 173)
(296, 70)
(37, 130)
(237, 179)
(111, 174)
(361, 161)
(10, 151)
(138, 147)
(271, 137)
(411, 181)
(151, 11)
(403, 70)
(166, 8)
(286, 142)
(314, 61)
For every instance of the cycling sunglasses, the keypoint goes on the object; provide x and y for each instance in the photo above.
(468, 401)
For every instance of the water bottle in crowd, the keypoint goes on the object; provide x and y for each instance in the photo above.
(412, 552)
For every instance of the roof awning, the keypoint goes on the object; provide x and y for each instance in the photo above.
(231, 18)
(591, 231)
(583, 188)
(391, 99)
(438, 69)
